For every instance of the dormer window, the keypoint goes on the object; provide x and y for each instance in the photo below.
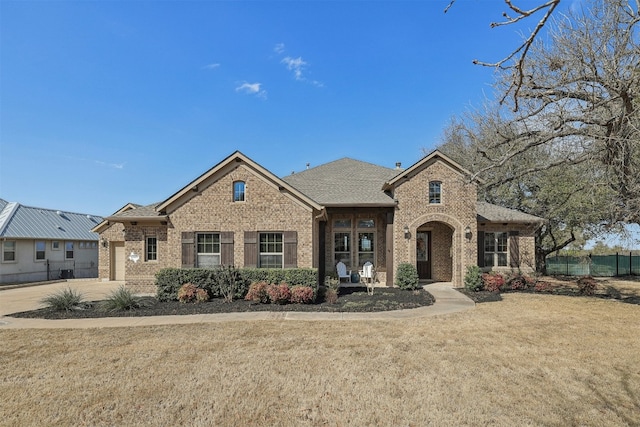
(435, 192)
(238, 191)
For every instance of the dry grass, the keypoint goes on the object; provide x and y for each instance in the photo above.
(527, 360)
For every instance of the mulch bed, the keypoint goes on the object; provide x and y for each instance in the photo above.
(353, 299)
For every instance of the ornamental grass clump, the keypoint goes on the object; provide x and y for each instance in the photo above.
(65, 300)
(121, 299)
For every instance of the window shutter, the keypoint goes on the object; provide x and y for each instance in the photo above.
(290, 239)
(480, 248)
(251, 249)
(514, 249)
(188, 249)
(226, 248)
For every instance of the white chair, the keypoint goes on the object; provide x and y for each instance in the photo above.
(368, 276)
(341, 268)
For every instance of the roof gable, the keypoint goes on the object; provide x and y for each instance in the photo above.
(425, 162)
(345, 182)
(224, 167)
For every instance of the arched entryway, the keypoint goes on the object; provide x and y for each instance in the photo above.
(434, 251)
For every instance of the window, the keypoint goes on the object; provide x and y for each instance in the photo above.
(8, 251)
(271, 250)
(365, 248)
(238, 191)
(40, 250)
(435, 192)
(68, 250)
(342, 248)
(208, 250)
(55, 245)
(151, 253)
(495, 249)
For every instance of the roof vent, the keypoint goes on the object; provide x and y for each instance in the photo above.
(308, 164)
(398, 165)
(59, 213)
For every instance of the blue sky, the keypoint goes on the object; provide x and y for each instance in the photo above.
(105, 103)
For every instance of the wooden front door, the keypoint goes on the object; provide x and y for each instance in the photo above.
(423, 254)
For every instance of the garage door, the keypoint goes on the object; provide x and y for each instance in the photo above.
(117, 261)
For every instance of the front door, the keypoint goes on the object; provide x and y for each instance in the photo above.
(117, 260)
(423, 254)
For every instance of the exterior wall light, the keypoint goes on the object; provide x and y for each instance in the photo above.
(407, 234)
(105, 243)
(467, 232)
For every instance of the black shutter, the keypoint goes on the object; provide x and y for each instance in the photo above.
(250, 249)
(290, 239)
(514, 249)
(480, 248)
(226, 248)
(188, 249)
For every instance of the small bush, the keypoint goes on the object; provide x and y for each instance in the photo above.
(301, 294)
(492, 282)
(120, 299)
(519, 282)
(587, 285)
(543, 287)
(473, 278)
(64, 300)
(258, 292)
(230, 283)
(331, 295)
(279, 294)
(191, 293)
(407, 277)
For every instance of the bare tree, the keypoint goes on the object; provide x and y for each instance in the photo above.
(514, 62)
(578, 98)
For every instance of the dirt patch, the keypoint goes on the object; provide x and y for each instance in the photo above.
(353, 299)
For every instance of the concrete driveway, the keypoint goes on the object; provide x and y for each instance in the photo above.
(27, 298)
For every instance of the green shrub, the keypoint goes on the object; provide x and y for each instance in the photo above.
(407, 277)
(473, 278)
(64, 300)
(214, 280)
(229, 284)
(121, 299)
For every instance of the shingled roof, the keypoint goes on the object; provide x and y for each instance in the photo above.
(24, 222)
(487, 212)
(345, 182)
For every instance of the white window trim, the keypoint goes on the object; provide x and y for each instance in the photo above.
(73, 250)
(15, 251)
(218, 254)
(260, 253)
(495, 253)
(244, 191)
(146, 249)
(53, 245)
(35, 251)
(439, 202)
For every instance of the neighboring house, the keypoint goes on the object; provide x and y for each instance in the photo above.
(238, 213)
(43, 244)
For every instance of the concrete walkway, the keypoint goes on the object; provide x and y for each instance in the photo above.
(20, 299)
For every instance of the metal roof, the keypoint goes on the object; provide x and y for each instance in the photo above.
(25, 222)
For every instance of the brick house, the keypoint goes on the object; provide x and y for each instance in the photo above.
(238, 213)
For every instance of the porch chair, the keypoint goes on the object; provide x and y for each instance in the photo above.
(341, 268)
(368, 276)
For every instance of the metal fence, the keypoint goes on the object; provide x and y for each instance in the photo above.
(620, 264)
(71, 270)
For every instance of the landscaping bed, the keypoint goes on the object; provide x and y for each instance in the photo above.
(352, 299)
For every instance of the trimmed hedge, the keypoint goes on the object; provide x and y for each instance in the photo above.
(169, 280)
